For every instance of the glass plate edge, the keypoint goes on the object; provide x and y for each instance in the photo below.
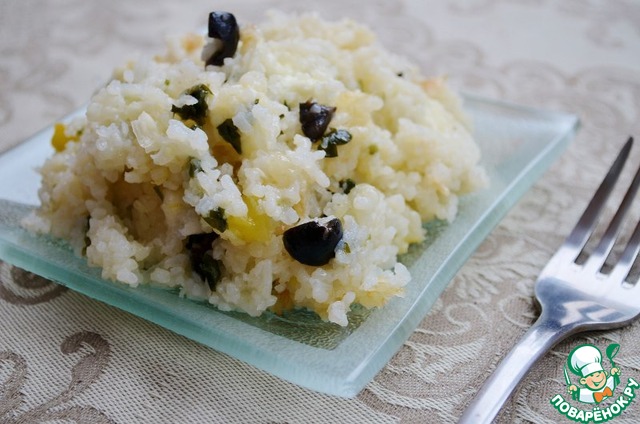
(360, 372)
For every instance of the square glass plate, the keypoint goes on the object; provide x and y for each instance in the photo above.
(517, 143)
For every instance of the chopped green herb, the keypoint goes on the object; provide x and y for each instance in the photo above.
(346, 185)
(330, 151)
(373, 149)
(167, 82)
(87, 240)
(195, 166)
(199, 247)
(216, 220)
(209, 271)
(230, 133)
(159, 192)
(256, 101)
(196, 112)
(332, 140)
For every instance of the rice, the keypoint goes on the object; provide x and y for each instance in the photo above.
(206, 203)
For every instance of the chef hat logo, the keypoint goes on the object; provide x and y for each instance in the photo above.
(584, 360)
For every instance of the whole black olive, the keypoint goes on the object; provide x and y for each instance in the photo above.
(315, 118)
(223, 26)
(313, 243)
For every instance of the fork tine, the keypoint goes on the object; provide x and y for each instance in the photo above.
(572, 300)
(602, 250)
(621, 270)
(587, 222)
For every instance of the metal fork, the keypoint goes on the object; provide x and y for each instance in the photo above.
(573, 297)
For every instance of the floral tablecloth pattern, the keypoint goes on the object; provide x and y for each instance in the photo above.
(67, 358)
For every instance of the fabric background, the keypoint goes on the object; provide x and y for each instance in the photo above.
(66, 358)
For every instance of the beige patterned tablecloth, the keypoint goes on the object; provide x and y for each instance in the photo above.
(67, 358)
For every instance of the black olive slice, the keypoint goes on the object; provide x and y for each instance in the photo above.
(314, 242)
(223, 26)
(314, 119)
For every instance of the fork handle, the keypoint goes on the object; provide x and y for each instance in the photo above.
(540, 337)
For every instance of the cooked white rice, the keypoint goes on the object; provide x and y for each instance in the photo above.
(139, 180)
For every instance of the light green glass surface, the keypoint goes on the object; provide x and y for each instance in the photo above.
(517, 143)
